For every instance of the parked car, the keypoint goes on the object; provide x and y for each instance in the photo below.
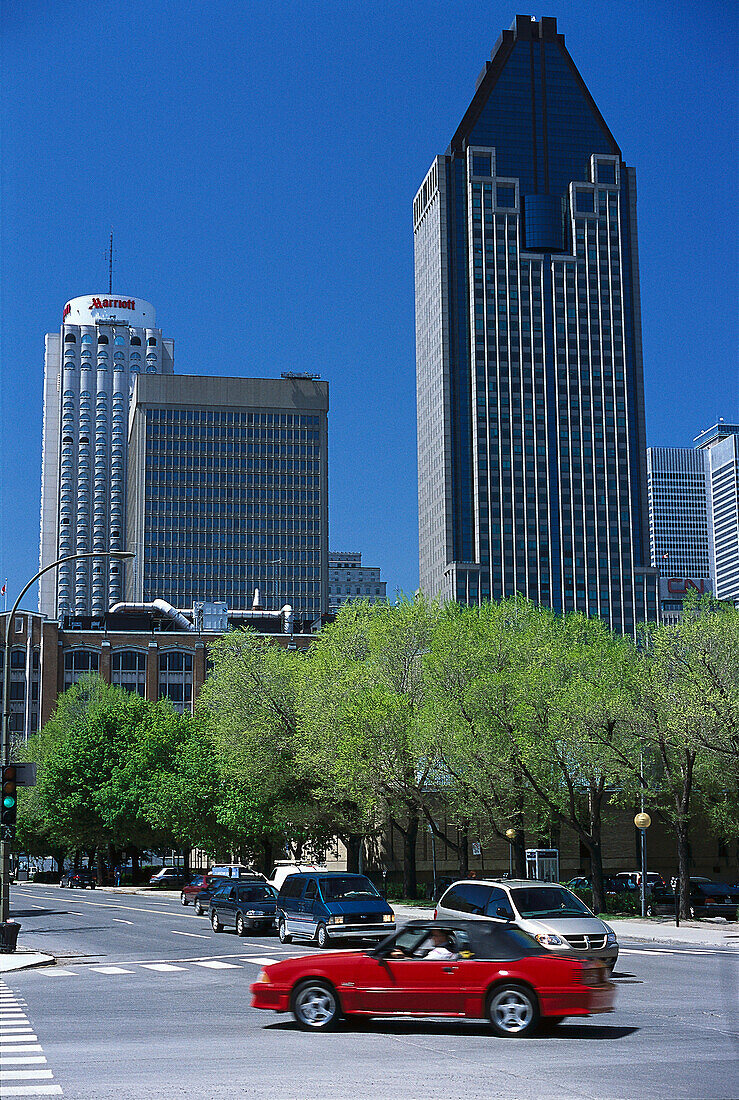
(331, 905)
(707, 899)
(551, 913)
(167, 876)
(631, 880)
(243, 906)
(78, 878)
(211, 883)
(285, 867)
(493, 972)
(191, 889)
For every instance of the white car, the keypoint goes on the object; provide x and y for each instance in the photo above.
(285, 867)
(551, 913)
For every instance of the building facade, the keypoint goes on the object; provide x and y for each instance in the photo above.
(349, 580)
(531, 433)
(228, 491)
(720, 446)
(105, 342)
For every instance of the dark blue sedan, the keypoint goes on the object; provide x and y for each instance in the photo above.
(243, 906)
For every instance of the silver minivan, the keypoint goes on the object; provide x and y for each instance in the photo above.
(551, 913)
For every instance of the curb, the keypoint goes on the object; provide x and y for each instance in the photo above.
(21, 960)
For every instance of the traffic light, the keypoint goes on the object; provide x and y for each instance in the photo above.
(9, 805)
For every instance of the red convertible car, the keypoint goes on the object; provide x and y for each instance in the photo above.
(451, 968)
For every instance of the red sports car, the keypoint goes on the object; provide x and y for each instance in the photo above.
(452, 968)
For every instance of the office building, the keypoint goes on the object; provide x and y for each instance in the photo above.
(349, 580)
(531, 434)
(228, 491)
(720, 445)
(104, 343)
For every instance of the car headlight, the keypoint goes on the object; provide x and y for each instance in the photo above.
(254, 913)
(335, 920)
(548, 939)
(388, 918)
(263, 978)
(611, 939)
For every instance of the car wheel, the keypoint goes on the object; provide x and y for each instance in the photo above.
(215, 923)
(513, 1011)
(322, 938)
(240, 926)
(199, 909)
(282, 933)
(92, 885)
(183, 899)
(315, 1006)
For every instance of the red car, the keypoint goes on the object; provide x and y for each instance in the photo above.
(450, 968)
(191, 889)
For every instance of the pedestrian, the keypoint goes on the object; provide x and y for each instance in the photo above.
(118, 874)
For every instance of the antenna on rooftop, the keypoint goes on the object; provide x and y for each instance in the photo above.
(110, 263)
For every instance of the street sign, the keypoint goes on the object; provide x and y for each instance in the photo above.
(476, 848)
(25, 774)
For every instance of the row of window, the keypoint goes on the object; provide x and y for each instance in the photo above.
(135, 341)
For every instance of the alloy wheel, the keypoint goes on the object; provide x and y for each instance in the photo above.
(314, 1006)
(512, 1011)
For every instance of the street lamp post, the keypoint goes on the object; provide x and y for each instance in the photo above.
(642, 822)
(4, 730)
(511, 834)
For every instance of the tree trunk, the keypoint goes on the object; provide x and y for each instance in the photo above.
(267, 860)
(596, 870)
(353, 847)
(410, 835)
(186, 863)
(101, 867)
(683, 869)
(519, 854)
(135, 867)
(464, 850)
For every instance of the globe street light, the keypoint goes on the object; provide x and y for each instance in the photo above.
(511, 835)
(4, 738)
(642, 822)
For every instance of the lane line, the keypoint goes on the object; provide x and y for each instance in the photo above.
(120, 920)
(215, 965)
(193, 935)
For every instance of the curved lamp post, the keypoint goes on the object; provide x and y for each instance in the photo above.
(511, 835)
(4, 738)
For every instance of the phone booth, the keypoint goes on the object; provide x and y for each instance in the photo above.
(542, 864)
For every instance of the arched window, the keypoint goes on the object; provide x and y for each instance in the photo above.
(102, 339)
(135, 354)
(129, 670)
(86, 339)
(119, 355)
(70, 338)
(79, 662)
(175, 678)
(102, 355)
(136, 341)
(152, 342)
(119, 340)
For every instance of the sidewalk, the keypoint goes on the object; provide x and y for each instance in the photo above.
(24, 960)
(697, 933)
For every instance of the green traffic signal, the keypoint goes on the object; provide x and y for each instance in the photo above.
(10, 797)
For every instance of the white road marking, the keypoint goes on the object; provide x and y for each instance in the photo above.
(9, 1049)
(165, 968)
(110, 970)
(120, 920)
(259, 961)
(16, 1060)
(215, 965)
(20, 1074)
(29, 1038)
(55, 972)
(32, 1090)
(194, 935)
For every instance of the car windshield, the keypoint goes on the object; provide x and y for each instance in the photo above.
(257, 893)
(548, 901)
(347, 886)
(712, 889)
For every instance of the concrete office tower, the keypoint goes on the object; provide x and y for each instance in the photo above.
(104, 343)
(349, 580)
(720, 445)
(531, 436)
(677, 485)
(228, 491)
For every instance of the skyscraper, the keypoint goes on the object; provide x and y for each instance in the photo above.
(228, 491)
(678, 512)
(104, 343)
(531, 435)
(349, 580)
(720, 445)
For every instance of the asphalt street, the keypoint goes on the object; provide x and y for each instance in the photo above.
(147, 1001)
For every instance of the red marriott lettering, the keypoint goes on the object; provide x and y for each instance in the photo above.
(113, 303)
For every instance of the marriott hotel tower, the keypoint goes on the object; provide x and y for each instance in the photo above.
(531, 436)
(104, 343)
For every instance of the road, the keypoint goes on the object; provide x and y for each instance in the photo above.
(148, 1002)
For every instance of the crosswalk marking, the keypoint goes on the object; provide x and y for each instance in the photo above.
(19, 1046)
(17, 1060)
(24, 1038)
(55, 972)
(32, 1090)
(215, 965)
(10, 1049)
(259, 960)
(165, 968)
(20, 1074)
(110, 970)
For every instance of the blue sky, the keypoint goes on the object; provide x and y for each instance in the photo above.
(258, 162)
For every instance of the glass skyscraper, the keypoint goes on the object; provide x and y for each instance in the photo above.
(720, 447)
(228, 491)
(531, 435)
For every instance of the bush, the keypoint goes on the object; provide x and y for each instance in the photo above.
(45, 876)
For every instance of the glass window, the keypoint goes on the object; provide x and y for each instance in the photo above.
(151, 342)
(606, 172)
(480, 165)
(584, 202)
(70, 338)
(506, 195)
(102, 339)
(136, 341)
(467, 897)
(86, 339)
(119, 340)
